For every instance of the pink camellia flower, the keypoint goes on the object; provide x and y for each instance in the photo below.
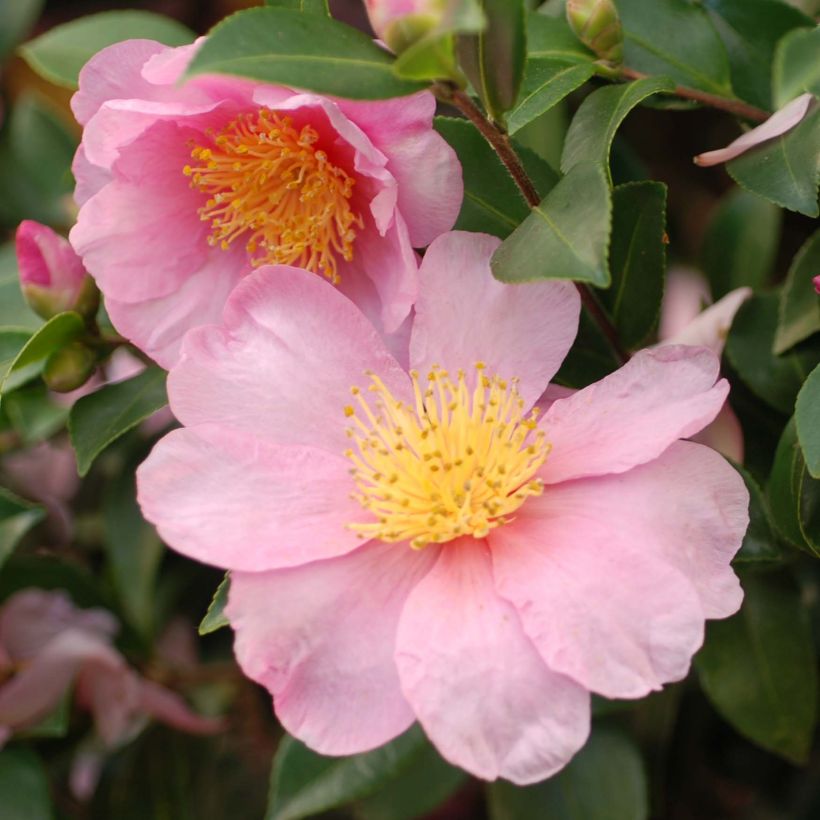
(686, 320)
(52, 276)
(421, 545)
(816, 282)
(185, 187)
(46, 645)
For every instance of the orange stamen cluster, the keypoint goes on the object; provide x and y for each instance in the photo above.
(456, 462)
(270, 185)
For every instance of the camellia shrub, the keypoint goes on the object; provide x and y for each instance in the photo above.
(410, 408)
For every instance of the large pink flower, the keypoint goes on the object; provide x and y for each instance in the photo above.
(421, 547)
(184, 187)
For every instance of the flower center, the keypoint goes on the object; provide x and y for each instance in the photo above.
(458, 462)
(269, 185)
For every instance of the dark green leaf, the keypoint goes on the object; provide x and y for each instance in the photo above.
(796, 68)
(758, 667)
(14, 312)
(589, 359)
(12, 341)
(785, 169)
(304, 51)
(546, 82)
(101, 418)
(17, 18)
(60, 53)
(17, 517)
(675, 38)
(604, 781)
(594, 125)
(493, 59)
(565, 237)
(304, 783)
(492, 202)
(29, 362)
(807, 419)
(741, 242)
(551, 38)
(34, 414)
(637, 260)
(215, 616)
(776, 379)
(750, 30)
(760, 543)
(799, 314)
(306, 6)
(23, 786)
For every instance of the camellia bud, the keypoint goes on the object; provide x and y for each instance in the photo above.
(69, 367)
(52, 276)
(598, 27)
(401, 23)
(816, 282)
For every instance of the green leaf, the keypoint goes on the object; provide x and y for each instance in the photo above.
(551, 38)
(17, 517)
(34, 414)
(796, 69)
(807, 420)
(760, 543)
(304, 51)
(17, 18)
(785, 169)
(546, 82)
(23, 786)
(600, 115)
(741, 242)
(775, 379)
(493, 59)
(589, 359)
(637, 260)
(60, 53)
(750, 30)
(305, 6)
(29, 362)
(565, 237)
(14, 311)
(101, 418)
(604, 781)
(215, 616)
(675, 38)
(304, 783)
(133, 552)
(799, 314)
(492, 202)
(758, 667)
(794, 496)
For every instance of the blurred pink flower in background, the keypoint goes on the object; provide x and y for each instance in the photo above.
(816, 282)
(418, 545)
(689, 318)
(185, 187)
(387, 14)
(47, 645)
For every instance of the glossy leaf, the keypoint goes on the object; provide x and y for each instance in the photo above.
(600, 115)
(565, 237)
(100, 418)
(304, 783)
(807, 419)
(60, 53)
(17, 517)
(215, 616)
(637, 260)
(758, 667)
(796, 68)
(760, 543)
(605, 780)
(17, 18)
(286, 47)
(492, 202)
(741, 242)
(799, 314)
(305, 6)
(674, 38)
(24, 793)
(551, 38)
(784, 170)
(590, 358)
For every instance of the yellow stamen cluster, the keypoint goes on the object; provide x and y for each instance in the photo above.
(269, 184)
(456, 462)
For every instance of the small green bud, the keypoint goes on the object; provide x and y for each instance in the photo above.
(598, 27)
(69, 367)
(404, 32)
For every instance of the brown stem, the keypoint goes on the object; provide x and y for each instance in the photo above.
(736, 107)
(500, 143)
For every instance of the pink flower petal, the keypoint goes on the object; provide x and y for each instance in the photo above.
(230, 499)
(724, 434)
(634, 414)
(711, 327)
(480, 691)
(321, 638)
(283, 364)
(684, 297)
(463, 316)
(169, 708)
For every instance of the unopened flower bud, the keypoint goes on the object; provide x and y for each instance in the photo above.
(598, 27)
(401, 23)
(52, 276)
(69, 367)
(816, 282)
